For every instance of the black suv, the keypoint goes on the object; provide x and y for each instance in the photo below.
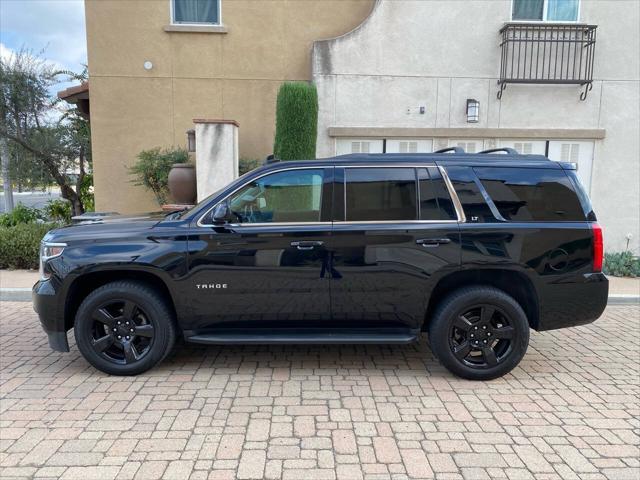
(474, 249)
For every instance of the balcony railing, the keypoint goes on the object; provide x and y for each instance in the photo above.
(547, 53)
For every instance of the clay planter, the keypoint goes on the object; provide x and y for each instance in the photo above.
(182, 183)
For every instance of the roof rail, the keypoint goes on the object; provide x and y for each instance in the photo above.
(450, 149)
(508, 150)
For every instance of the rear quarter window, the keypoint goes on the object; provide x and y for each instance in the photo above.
(532, 194)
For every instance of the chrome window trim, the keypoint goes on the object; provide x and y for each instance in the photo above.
(275, 224)
(454, 197)
(361, 222)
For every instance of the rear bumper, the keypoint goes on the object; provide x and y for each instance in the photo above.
(45, 303)
(572, 303)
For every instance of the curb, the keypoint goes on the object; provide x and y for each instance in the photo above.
(623, 299)
(15, 294)
(24, 295)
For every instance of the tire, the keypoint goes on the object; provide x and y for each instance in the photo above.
(473, 321)
(124, 328)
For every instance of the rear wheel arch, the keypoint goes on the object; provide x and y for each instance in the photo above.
(514, 283)
(84, 284)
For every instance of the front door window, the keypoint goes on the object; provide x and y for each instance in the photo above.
(292, 196)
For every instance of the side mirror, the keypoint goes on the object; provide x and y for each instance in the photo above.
(221, 214)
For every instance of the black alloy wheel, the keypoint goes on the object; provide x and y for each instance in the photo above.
(479, 333)
(125, 328)
(121, 332)
(481, 337)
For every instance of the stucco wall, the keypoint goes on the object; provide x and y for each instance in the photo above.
(233, 75)
(440, 52)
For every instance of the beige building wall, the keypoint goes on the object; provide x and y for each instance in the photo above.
(233, 75)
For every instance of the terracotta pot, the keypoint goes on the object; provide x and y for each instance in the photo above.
(182, 183)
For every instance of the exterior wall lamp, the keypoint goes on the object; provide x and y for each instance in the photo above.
(473, 110)
(191, 140)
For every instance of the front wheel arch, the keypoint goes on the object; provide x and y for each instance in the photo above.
(86, 283)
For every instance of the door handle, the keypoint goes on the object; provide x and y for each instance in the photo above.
(432, 242)
(307, 244)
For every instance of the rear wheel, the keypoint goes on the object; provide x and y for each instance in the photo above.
(479, 333)
(124, 328)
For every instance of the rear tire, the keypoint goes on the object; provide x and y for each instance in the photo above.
(479, 333)
(124, 328)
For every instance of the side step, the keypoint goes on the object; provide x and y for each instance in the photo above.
(307, 337)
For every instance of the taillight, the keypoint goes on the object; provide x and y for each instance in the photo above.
(598, 247)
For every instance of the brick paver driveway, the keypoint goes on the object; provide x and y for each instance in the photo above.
(569, 412)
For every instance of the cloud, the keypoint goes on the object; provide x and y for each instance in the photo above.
(56, 27)
(5, 52)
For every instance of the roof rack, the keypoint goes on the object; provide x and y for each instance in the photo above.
(450, 149)
(508, 150)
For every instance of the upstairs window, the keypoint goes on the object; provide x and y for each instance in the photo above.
(196, 12)
(545, 10)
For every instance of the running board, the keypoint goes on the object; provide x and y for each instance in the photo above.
(305, 337)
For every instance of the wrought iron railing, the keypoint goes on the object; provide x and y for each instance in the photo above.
(558, 53)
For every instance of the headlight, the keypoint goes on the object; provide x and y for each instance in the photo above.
(48, 251)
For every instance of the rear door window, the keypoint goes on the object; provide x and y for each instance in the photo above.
(380, 194)
(435, 201)
(531, 194)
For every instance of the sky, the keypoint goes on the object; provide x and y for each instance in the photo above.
(55, 27)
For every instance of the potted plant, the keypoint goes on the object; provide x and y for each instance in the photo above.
(167, 173)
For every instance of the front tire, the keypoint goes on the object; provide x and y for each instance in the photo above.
(124, 328)
(479, 333)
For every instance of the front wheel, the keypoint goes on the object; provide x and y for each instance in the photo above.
(479, 333)
(124, 328)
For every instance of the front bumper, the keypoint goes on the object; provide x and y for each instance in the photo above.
(46, 305)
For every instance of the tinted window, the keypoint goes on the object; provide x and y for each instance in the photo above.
(435, 202)
(293, 196)
(531, 194)
(380, 194)
(473, 203)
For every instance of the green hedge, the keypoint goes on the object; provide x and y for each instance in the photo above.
(621, 264)
(20, 244)
(296, 122)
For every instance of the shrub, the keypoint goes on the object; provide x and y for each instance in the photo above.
(20, 244)
(621, 264)
(248, 164)
(86, 193)
(58, 210)
(20, 214)
(152, 169)
(296, 121)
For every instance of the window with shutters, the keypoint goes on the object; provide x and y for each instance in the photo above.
(346, 146)
(579, 152)
(469, 146)
(526, 147)
(408, 145)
